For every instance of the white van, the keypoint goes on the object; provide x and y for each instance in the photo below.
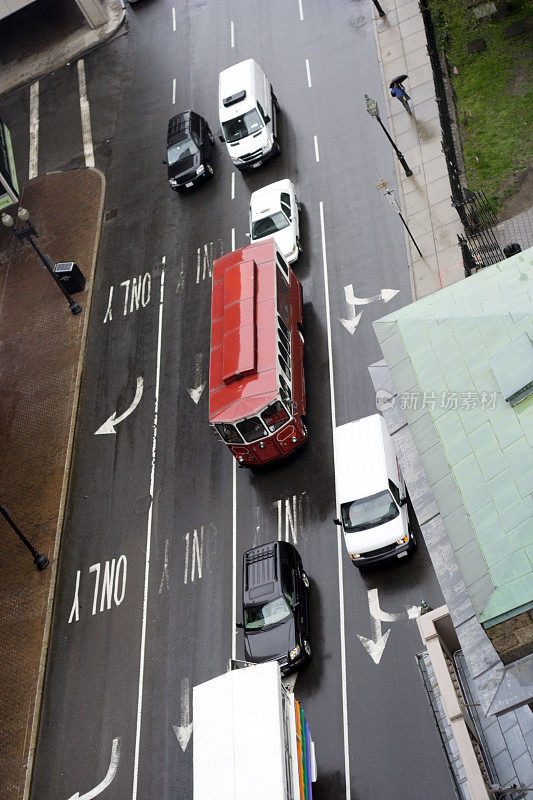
(247, 109)
(370, 491)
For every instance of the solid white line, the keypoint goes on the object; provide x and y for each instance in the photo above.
(85, 117)
(173, 18)
(148, 542)
(233, 239)
(233, 186)
(232, 33)
(339, 542)
(173, 91)
(301, 10)
(316, 149)
(234, 560)
(34, 130)
(308, 73)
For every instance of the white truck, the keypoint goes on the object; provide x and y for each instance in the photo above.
(251, 740)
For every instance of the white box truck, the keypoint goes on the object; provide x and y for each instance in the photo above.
(251, 740)
(370, 492)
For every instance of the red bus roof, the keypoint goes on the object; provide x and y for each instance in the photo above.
(242, 374)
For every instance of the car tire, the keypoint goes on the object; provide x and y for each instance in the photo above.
(209, 169)
(276, 148)
(307, 648)
(305, 580)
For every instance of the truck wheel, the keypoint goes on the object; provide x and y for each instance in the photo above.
(305, 580)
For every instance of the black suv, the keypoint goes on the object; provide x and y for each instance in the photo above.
(275, 606)
(189, 142)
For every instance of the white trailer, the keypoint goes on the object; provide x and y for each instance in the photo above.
(251, 740)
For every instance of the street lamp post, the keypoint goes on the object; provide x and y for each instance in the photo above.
(40, 560)
(373, 110)
(27, 232)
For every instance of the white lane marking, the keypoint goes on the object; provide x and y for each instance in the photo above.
(85, 117)
(111, 772)
(316, 149)
(375, 646)
(353, 319)
(233, 239)
(234, 560)
(339, 542)
(147, 546)
(183, 731)
(173, 91)
(165, 578)
(173, 18)
(232, 33)
(308, 70)
(385, 295)
(34, 130)
(196, 391)
(301, 10)
(109, 424)
(233, 186)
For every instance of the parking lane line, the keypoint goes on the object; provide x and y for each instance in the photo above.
(316, 150)
(308, 70)
(85, 117)
(339, 542)
(33, 169)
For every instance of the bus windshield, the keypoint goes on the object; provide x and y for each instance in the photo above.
(275, 416)
(252, 429)
(369, 512)
(228, 432)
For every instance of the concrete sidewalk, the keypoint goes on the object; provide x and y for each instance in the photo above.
(41, 356)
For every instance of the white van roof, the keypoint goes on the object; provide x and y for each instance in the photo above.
(232, 82)
(360, 450)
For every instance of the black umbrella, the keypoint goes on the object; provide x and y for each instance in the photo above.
(399, 79)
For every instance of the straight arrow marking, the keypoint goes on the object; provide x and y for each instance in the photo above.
(196, 392)
(109, 424)
(111, 772)
(353, 319)
(183, 731)
(375, 646)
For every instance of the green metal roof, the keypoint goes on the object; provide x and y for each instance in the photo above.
(476, 448)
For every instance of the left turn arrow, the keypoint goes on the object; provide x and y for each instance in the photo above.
(111, 772)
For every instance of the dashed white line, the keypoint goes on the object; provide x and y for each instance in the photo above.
(232, 239)
(232, 33)
(308, 70)
(233, 186)
(339, 542)
(173, 91)
(301, 10)
(148, 541)
(234, 557)
(316, 149)
(34, 130)
(173, 18)
(85, 117)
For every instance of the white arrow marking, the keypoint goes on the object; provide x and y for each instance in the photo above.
(183, 731)
(384, 616)
(111, 772)
(353, 319)
(375, 646)
(109, 424)
(199, 387)
(385, 295)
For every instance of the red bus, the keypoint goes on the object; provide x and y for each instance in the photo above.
(256, 379)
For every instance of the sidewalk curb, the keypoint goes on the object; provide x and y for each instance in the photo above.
(13, 78)
(64, 490)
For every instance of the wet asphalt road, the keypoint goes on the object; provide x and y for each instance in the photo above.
(123, 660)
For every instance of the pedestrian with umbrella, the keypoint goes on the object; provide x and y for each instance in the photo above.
(397, 89)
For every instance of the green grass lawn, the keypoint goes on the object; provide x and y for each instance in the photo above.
(494, 93)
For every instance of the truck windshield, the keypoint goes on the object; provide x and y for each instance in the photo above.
(257, 617)
(240, 127)
(369, 512)
(269, 225)
(181, 150)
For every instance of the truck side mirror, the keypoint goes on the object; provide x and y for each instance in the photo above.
(403, 501)
(337, 521)
(239, 625)
(247, 235)
(267, 119)
(164, 162)
(221, 138)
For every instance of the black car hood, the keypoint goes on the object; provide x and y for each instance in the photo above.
(270, 643)
(184, 167)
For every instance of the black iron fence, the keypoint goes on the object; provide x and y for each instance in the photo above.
(479, 246)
